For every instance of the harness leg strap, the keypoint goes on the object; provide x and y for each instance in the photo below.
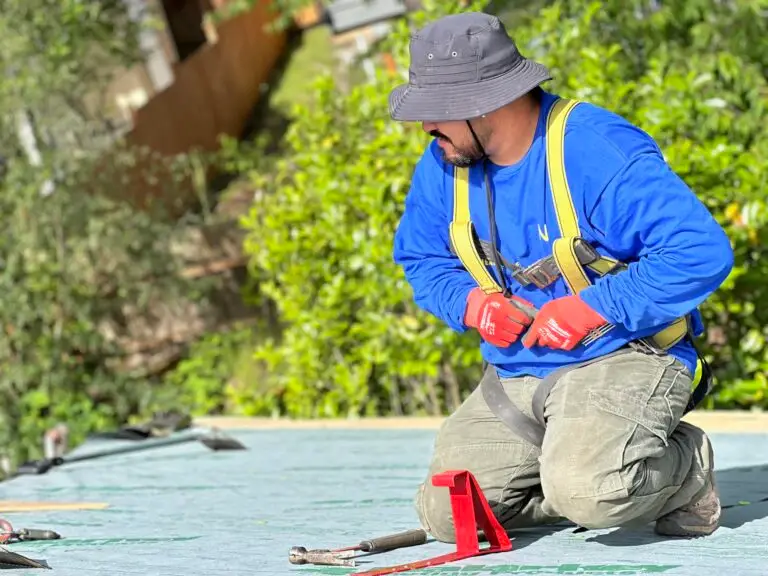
(503, 408)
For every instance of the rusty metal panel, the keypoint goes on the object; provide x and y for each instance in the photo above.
(214, 93)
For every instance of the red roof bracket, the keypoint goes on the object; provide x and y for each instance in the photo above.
(470, 512)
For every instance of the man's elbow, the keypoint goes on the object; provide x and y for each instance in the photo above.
(703, 263)
(721, 256)
(709, 262)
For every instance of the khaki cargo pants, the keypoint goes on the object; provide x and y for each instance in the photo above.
(615, 452)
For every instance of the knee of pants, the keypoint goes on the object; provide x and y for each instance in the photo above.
(592, 512)
(591, 505)
(433, 506)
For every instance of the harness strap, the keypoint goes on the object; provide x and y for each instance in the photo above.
(564, 251)
(563, 248)
(533, 429)
(505, 410)
(703, 381)
(558, 181)
(530, 429)
(545, 270)
(463, 235)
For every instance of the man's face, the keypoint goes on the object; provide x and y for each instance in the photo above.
(456, 142)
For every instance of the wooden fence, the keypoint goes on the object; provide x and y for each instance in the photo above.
(214, 93)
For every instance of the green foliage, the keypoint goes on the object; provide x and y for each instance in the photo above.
(75, 270)
(201, 382)
(56, 57)
(78, 267)
(352, 344)
(320, 230)
(220, 376)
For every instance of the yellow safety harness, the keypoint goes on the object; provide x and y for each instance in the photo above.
(572, 256)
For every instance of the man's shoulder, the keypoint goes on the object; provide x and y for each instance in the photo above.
(600, 133)
(599, 146)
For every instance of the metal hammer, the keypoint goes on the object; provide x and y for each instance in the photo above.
(300, 555)
(344, 556)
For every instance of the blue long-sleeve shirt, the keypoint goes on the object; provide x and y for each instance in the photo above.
(630, 205)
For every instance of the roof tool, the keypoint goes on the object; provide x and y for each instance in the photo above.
(392, 542)
(214, 440)
(55, 441)
(345, 556)
(161, 425)
(300, 555)
(8, 535)
(470, 512)
(8, 558)
(744, 503)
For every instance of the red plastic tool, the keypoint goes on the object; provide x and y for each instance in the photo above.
(470, 512)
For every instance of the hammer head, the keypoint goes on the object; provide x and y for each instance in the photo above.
(300, 555)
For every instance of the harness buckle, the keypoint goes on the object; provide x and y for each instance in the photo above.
(646, 345)
(520, 274)
(585, 252)
(542, 273)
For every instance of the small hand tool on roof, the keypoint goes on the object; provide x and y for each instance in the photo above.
(8, 558)
(300, 555)
(214, 440)
(345, 557)
(8, 534)
(161, 425)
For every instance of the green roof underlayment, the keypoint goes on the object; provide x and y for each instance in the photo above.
(184, 510)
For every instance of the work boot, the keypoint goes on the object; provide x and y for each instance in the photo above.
(700, 518)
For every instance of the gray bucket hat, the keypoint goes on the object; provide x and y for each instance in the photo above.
(463, 66)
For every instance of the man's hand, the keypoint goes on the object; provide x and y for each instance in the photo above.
(562, 323)
(496, 318)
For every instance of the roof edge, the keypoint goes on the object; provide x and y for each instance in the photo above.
(717, 421)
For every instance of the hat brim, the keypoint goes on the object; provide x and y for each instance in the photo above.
(441, 103)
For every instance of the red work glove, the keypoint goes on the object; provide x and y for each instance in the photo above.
(562, 323)
(498, 320)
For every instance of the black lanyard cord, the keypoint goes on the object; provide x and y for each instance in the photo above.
(491, 217)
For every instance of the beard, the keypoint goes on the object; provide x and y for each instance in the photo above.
(461, 156)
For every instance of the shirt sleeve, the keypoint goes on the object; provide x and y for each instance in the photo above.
(676, 251)
(437, 277)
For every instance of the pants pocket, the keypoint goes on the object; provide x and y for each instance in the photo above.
(606, 419)
(651, 393)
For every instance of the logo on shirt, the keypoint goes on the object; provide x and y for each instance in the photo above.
(543, 234)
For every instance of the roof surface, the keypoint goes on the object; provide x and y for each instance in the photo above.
(184, 510)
